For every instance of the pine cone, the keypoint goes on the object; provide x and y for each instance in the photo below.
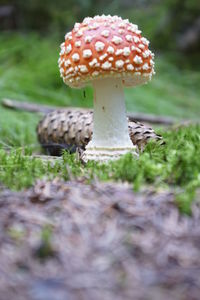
(72, 129)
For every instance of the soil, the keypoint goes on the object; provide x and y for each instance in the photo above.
(73, 241)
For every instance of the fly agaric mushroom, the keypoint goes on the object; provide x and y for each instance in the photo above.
(109, 53)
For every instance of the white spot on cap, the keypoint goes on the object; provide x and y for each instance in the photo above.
(136, 39)
(68, 36)
(67, 63)
(119, 64)
(88, 39)
(87, 20)
(122, 25)
(62, 51)
(145, 66)
(145, 41)
(78, 44)
(152, 54)
(106, 65)
(138, 50)
(102, 57)
(130, 67)
(133, 48)
(77, 25)
(151, 62)
(83, 69)
(79, 34)
(126, 51)
(62, 70)
(87, 53)
(70, 70)
(62, 45)
(60, 64)
(138, 60)
(113, 26)
(138, 31)
(117, 40)
(68, 48)
(93, 62)
(141, 46)
(95, 25)
(111, 59)
(95, 73)
(110, 50)
(105, 33)
(99, 46)
(75, 57)
(119, 51)
(129, 38)
(133, 27)
(68, 76)
(121, 31)
(146, 53)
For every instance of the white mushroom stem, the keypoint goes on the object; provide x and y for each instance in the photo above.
(110, 132)
(110, 122)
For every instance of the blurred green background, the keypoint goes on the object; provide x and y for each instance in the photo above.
(32, 30)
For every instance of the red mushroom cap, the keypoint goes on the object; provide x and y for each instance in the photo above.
(105, 46)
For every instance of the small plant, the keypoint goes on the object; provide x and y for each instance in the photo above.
(45, 249)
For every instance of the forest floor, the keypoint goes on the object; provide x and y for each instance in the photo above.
(125, 230)
(70, 240)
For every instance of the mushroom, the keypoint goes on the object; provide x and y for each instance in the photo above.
(109, 53)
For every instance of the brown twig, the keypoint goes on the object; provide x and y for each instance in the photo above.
(153, 119)
(30, 107)
(39, 108)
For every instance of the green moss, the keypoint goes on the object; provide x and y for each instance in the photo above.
(175, 164)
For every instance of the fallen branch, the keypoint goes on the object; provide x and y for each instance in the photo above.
(153, 119)
(25, 106)
(44, 109)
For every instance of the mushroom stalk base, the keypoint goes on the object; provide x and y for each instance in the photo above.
(110, 137)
